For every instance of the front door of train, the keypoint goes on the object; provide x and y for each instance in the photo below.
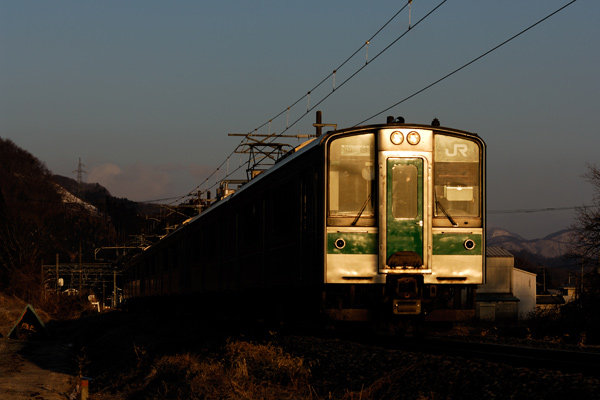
(402, 221)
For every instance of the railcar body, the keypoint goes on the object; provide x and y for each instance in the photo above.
(374, 221)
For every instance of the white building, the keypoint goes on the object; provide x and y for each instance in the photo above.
(509, 293)
(524, 288)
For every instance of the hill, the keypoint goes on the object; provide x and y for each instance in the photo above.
(128, 218)
(552, 246)
(41, 218)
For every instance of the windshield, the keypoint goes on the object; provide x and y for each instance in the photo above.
(456, 177)
(351, 177)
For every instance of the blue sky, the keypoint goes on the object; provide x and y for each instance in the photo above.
(145, 92)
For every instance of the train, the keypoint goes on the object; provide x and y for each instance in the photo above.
(383, 221)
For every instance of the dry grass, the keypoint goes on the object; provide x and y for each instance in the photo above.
(246, 371)
(267, 363)
(10, 309)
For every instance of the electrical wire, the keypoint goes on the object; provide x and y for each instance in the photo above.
(467, 64)
(536, 210)
(364, 66)
(329, 76)
(287, 109)
(335, 69)
(368, 63)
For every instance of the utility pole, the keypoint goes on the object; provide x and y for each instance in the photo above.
(544, 279)
(80, 269)
(56, 272)
(582, 261)
(43, 283)
(114, 297)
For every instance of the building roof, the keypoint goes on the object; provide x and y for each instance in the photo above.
(497, 252)
(522, 271)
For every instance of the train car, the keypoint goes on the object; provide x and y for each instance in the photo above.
(379, 221)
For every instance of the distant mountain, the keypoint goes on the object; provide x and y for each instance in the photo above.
(552, 246)
(128, 217)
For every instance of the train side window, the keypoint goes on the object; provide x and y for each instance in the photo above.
(457, 178)
(351, 171)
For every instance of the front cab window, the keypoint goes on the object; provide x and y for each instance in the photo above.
(351, 183)
(457, 181)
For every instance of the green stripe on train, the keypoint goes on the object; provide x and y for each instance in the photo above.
(454, 244)
(367, 243)
(354, 243)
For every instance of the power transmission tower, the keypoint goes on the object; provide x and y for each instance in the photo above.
(80, 171)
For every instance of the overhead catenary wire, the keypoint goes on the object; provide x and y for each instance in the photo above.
(325, 79)
(367, 62)
(467, 64)
(307, 95)
(536, 210)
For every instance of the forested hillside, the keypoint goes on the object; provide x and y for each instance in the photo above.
(36, 223)
(42, 216)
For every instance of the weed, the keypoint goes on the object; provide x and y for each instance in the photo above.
(267, 363)
(247, 371)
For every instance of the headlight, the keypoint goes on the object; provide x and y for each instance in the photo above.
(413, 138)
(397, 137)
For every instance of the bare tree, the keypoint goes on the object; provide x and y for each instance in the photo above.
(29, 208)
(582, 316)
(586, 227)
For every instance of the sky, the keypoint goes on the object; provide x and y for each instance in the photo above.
(145, 92)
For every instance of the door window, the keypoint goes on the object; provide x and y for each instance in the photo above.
(404, 187)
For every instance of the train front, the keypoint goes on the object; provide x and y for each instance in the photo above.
(405, 222)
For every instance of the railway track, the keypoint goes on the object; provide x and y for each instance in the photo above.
(567, 361)
(518, 355)
(445, 367)
(538, 355)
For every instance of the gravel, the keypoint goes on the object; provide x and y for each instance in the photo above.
(342, 369)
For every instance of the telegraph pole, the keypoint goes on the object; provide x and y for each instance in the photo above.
(56, 272)
(114, 297)
(80, 270)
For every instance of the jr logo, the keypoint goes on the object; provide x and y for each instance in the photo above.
(458, 148)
